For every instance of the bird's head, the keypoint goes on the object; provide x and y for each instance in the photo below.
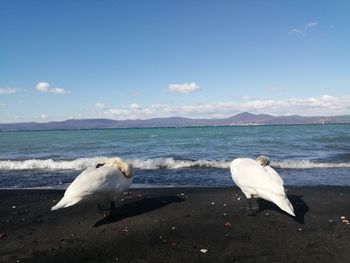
(126, 169)
(263, 160)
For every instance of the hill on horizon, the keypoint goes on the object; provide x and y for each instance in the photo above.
(244, 118)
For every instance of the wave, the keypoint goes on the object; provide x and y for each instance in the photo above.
(307, 164)
(155, 163)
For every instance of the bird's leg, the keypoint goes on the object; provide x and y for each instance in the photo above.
(101, 209)
(112, 208)
(253, 206)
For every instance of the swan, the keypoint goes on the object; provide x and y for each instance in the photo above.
(105, 181)
(257, 179)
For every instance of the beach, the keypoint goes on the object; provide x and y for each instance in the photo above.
(176, 225)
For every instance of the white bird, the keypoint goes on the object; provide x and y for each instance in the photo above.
(257, 179)
(105, 181)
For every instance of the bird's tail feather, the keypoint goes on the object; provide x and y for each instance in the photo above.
(285, 205)
(65, 203)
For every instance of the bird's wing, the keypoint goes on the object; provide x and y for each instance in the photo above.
(247, 173)
(95, 180)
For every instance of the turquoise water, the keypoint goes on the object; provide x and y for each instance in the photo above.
(200, 156)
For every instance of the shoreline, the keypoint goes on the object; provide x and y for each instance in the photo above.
(174, 224)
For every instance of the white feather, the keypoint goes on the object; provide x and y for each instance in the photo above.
(105, 182)
(260, 181)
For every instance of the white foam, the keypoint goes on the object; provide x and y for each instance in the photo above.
(153, 164)
(170, 163)
(49, 164)
(307, 164)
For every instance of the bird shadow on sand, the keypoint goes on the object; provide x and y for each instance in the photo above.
(300, 207)
(138, 207)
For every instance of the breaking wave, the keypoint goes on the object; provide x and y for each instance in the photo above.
(155, 163)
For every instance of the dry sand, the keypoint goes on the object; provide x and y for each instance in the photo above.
(176, 225)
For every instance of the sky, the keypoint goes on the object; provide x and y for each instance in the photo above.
(138, 59)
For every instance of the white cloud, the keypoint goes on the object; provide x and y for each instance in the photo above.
(2, 104)
(302, 32)
(135, 106)
(100, 105)
(4, 91)
(43, 116)
(183, 88)
(45, 87)
(310, 25)
(325, 105)
(297, 32)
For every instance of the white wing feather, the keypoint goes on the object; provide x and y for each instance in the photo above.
(94, 182)
(264, 182)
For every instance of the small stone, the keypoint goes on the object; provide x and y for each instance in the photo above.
(238, 198)
(173, 227)
(228, 224)
(125, 229)
(13, 207)
(330, 221)
(203, 250)
(160, 237)
(23, 219)
(224, 204)
(227, 235)
(299, 229)
(212, 203)
(225, 214)
(342, 217)
(164, 241)
(345, 221)
(267, 214)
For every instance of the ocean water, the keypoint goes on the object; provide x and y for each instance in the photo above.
(304, 155)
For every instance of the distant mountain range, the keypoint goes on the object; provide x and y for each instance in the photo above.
(244, 118)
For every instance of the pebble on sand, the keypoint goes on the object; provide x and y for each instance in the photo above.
(203, 250)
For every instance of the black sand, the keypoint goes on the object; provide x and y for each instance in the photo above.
(173, 225)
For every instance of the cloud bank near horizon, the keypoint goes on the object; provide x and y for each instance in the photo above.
(325, 105)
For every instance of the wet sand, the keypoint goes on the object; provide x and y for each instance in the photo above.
(174, 225)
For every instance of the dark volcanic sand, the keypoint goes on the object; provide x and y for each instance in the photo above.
(173, 225)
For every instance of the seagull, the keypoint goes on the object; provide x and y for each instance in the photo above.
(105, 181)
(257, 179)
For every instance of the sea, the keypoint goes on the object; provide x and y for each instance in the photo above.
(303, 155)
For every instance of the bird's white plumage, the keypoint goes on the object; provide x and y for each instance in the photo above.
(103, 183)
(260, 181)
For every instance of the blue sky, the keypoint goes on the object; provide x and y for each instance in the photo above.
(143, 59)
